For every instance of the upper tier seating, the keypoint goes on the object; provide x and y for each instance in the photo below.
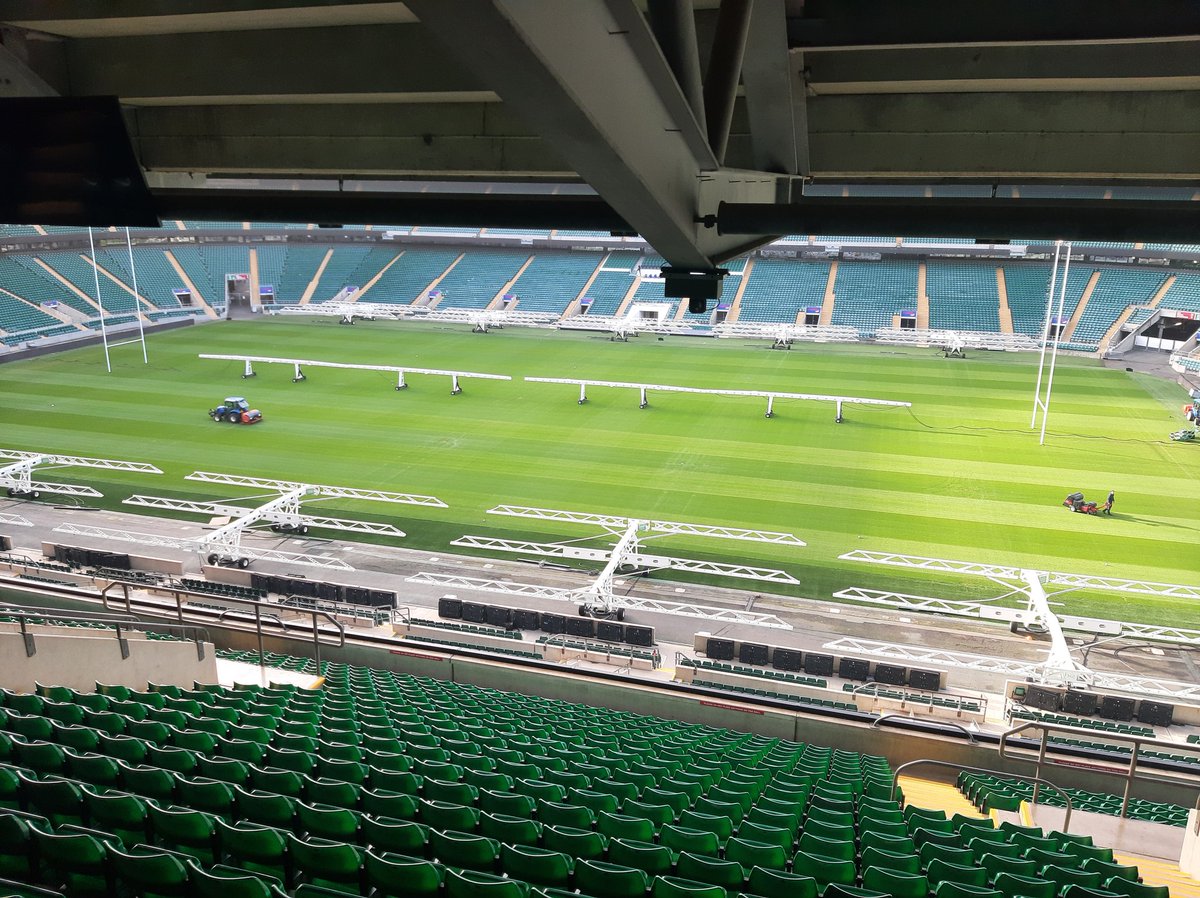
(16, 315)
(1027, 287)
(156, 279)
(868, 294)
(409, 276)
(780, 290)
(612, 282)
(553, 280)
(1183, 294)
(962, 297)
(1115, 291)
(479, 275)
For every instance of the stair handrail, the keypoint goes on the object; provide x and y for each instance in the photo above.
(934, 721)
(1037, 780)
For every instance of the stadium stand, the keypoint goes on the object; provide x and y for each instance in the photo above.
(35, 283)
(779, 290)
(156, 279)
(1183, 294)
(213, 225)
(220, 260)
(9, 230)
(1027, 286)
(1115, 291)
(868, 294)
(962, 297)
(299, 268)
(342, 265)
(986, 792)
(408, 277)
(553, 280)
(612, 282)
(1139, 315)
(474, 282)
(17, 316)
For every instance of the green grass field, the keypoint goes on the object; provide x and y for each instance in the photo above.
(961, 476)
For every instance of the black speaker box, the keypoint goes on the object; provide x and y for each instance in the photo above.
(1156, 713)
(818, 665)
(1076, 702)
(5, 543)
(854, 669)
(891, 674)
(581, 626)
(610, 631)
(924, 679)
(498, 617)
(383, 598)
(450, 608)
(328, 592)
(1115, 707)
(356, 595)
(720, 649)
(553, 623)
(1043, 699)
(752, 653)
(635, 635)
(261, 581)
(526, 620)
(474, 613)
(786, 659)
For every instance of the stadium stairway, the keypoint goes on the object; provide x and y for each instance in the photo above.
(937, 796)
(1083, 301)
(1006, 321)
(1157, 872)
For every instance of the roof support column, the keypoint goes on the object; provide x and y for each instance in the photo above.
(674, 26)
(725, 71)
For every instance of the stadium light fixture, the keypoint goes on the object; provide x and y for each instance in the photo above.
(17, 476)
(285, 514)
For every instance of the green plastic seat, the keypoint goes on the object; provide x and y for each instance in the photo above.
(149, 873)
(701, 868)
(333, 792)
(388, 804)
(840, 849)
(185, 830)
(902, 862)
(678, 887)
(211, 796)
(272, 779)
(1011, 885)
(226, 882)
(17, 860)
(80, 738)
(390, 875)
(778, 884)
(395, 781)
(474, 884)
(679, 839)
(325, 821)
(79, 860)
(241, 750)
(446, 816)
(655, 860)
(511, 830)
(537, 866)
(604, 880)
(621, 826)
(259, 849)
(1108, 870)
(393, 836)
(265, 808)
(87, 767)
(825, 870)
(1122, 886)
(981, 849)
(120, 813)
(325, 863)
(996, 864)
(1063, 877)
(554, 813)
(939, 871)
(295, 760)
(453, 793)
(895, 883)
(43, 757)
(459, 849)
(948, 889)
(148, 782)
(719, 824)
(58, 800)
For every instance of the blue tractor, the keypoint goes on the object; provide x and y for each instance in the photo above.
(235, 410)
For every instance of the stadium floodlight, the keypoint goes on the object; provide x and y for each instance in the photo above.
(769, 395)
(17, 476)
(298, 366)
(628, 551)
(284, 514)
(1059, 667)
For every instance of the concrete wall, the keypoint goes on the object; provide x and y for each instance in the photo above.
(80, 661)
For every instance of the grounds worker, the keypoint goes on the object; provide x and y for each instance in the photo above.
(1108, 504)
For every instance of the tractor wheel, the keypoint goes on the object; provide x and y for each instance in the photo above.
(302, 529)
(243, 563)
(212, 559)
(233, 418)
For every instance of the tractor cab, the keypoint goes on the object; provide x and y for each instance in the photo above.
(235, 410)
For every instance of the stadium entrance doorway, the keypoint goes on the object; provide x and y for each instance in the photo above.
(1173, 331)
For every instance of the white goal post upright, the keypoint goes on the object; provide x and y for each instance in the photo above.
(137, 303)
(1061, 251)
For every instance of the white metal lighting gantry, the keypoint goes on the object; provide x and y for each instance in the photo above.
(298, 366)
(481, 320)
(17, 475)
(769, 395)
(284, 514)
(349, 311)
(948, 340)
(782, 336)
(1058, 667)
(600, 598)
(15, 520)
(621, 329)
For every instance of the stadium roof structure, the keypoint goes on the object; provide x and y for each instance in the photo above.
(708, 127)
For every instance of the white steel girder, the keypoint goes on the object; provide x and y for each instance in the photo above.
(17, 477)
(290, 517)
(784, 334)
(617, 524)
(579, 596)
(324, 491)
(298, 366)
(15, 520)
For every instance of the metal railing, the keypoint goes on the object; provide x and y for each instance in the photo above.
(1036, 780)
(255, 612)
(920, 699)
(120, 625)
(925, 722)
(1129, 774)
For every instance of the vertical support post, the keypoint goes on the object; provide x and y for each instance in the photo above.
(674, 26)
(299, 374)
(770, 404)
(249, 370)
(316, 642)
(400, 384)
(137, 301)
(99, 301)
(1062, 295)
(643, 402)
(725, 71)
(259, 632)
(1130, 775)
(455, 389)
(1037, 390)
(582, 393)
(838, 419)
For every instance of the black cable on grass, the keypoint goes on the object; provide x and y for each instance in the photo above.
(1079, 436)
